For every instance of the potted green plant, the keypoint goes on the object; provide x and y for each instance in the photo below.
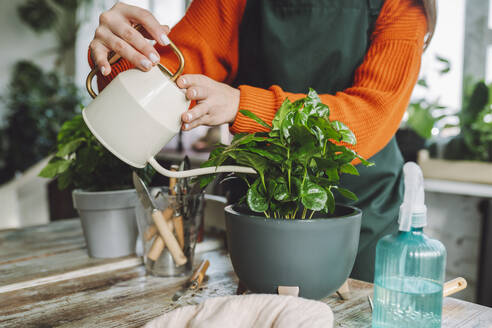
(290, 231)
(103, 191)
(467, 156)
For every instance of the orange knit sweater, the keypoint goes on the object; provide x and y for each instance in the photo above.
(372, 107)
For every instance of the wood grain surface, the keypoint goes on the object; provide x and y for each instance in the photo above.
(130, 298)
(43, 251)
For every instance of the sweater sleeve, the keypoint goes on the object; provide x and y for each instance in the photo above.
(374, 105)
(208, 38)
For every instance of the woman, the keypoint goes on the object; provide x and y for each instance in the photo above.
(362, 57)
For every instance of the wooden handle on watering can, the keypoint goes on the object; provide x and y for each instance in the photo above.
(114, 57)
(453, 286)
(169, 239)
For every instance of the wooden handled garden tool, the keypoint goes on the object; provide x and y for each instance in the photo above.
(195, 280)
(158, 245)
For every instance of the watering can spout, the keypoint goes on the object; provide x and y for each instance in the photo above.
(200, 171)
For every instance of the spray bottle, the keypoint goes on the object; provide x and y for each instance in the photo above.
(410, 266)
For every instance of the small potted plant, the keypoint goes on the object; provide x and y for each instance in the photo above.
(467, 156)
(103, 191)
(291, 232)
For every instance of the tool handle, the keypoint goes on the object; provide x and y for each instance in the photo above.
(169, 239)
(158, 245)
(152, 230)
(178, 227)
(454, 286)
(150, 233)
(156, 249)
(197, 278)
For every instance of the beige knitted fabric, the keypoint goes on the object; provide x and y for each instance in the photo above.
(248, 311)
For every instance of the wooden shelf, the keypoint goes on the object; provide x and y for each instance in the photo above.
(458, 188)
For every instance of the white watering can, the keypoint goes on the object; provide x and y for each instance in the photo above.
(138, 113)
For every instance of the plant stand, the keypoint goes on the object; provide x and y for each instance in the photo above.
(343, 292)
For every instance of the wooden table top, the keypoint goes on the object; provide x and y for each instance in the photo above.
(47, 280)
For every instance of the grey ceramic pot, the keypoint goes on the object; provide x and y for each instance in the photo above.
(316, 255)
(108, 221)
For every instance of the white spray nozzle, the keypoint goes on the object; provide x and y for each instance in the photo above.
(413, 200)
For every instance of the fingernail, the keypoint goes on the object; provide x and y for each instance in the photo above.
(186, 126)
(189, 117)
(153, 57)
(183, 81)
(145, 63)
(193, 93)
(103, 70)
(164, 39)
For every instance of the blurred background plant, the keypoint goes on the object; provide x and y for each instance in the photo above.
(425, 117)
(474, 142)
(82, 162)
(60, 17)
(423, 113)
(38, 103)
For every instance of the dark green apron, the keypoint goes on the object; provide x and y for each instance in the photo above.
(299, 44)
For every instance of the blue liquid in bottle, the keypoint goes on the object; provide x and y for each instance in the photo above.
(410, 267)
(409, 280)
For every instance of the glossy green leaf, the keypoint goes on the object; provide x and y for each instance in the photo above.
(364, 161)
(349, 169)
(268, 154)
(54, 167)
(282, 112)
(313, 196)
(347, 134)
(332, 174)
(286, 126)
(205, 180)
(281, 191)
(70, 147)
(252, 116)
(330, 201)
(347, 193)
(256, 200)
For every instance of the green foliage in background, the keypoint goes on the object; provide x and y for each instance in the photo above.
(59, 17)
(422, 112)
(475, 139)
(38, 103)
(38, 14)
(43, 15)
(82, 162)
(299, 161)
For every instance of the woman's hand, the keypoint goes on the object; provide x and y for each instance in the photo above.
(116, 32)
(217, 103)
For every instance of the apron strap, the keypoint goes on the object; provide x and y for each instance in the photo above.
(374, 8)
